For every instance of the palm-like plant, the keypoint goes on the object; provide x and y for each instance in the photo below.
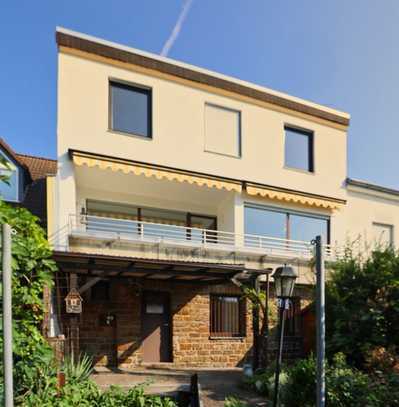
(79, 370)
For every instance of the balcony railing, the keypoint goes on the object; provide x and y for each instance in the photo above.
(138, 231)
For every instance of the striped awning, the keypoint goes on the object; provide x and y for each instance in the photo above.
(130, 167)
(293, 197)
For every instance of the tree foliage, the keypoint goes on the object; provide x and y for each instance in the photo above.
(32, 270)
(362, 300)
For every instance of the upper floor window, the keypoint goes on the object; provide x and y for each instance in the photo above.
(284, 224)
(299, 149)
(383, 234)
(8, 172)
(222, 130)
(130, 109)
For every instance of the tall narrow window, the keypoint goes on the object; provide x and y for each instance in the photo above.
(130, 109)
(227, 316)
(294, 318)
(222, 130)
(299, 149)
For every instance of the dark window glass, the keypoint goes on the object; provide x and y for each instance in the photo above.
(298, 149)
(100, 291)
(259, 221)
(130, 109)
(227, 316)
(294, 318)
(306, 228)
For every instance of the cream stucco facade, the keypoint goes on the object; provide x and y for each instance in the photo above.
(178, 144)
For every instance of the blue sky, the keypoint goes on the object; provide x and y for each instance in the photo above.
(340, 53)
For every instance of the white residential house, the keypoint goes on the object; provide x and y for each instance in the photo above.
(171, 181)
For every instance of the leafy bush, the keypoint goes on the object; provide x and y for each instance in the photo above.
(32, 270)
(362, 299)
(234, 402)
(78, 371)
(345, 385)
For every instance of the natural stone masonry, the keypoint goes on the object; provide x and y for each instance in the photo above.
(119, 342)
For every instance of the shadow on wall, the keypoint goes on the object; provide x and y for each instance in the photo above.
(110, 326)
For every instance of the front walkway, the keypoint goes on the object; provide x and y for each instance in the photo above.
(215, 384)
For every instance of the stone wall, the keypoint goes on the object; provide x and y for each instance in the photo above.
(119, 340)
(190, 308)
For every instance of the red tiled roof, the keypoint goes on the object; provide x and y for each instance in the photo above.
(37, 169)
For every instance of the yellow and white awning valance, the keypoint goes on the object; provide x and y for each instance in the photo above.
(293, 198)
(153, 171)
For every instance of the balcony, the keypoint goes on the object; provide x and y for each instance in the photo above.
(109, 231)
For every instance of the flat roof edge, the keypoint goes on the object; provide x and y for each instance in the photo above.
(97, 46)
(371, 186)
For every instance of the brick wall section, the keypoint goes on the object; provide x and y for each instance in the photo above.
(190, 308)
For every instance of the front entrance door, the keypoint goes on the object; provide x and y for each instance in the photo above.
(156, 327)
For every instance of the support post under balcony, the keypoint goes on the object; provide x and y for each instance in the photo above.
(255, 326)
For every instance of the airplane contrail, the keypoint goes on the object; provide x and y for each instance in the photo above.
(176, 29)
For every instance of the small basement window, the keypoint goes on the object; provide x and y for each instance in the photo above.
(227, 316)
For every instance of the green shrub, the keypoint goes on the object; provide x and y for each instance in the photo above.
(79, 371)
(32, 270)
(362, 312)
(345, 386)
(234, 402)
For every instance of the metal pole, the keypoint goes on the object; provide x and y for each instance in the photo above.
(282, 307)
(7, 316)
(266, 338)
(320, 323)
(255, 327)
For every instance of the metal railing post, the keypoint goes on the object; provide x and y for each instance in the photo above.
(7, 316)
(320, 322)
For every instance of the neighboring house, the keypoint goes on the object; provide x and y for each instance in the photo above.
(173, 184)
(27, 176)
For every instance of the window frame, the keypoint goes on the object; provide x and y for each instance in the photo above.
(310, 135)
(391, 229)
(17, 171)
(141, 89)
(289, 212)
(230, 109)
(242, 317)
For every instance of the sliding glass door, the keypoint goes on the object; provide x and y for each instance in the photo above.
(285, 224)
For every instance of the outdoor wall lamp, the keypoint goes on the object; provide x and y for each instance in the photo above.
(284, 282)
(109, 319)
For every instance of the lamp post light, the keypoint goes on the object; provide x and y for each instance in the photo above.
(284, 283)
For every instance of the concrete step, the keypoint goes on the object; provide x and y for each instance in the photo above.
(155, 382)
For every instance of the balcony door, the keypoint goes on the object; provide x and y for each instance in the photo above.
(130, 220)
(201, 228)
